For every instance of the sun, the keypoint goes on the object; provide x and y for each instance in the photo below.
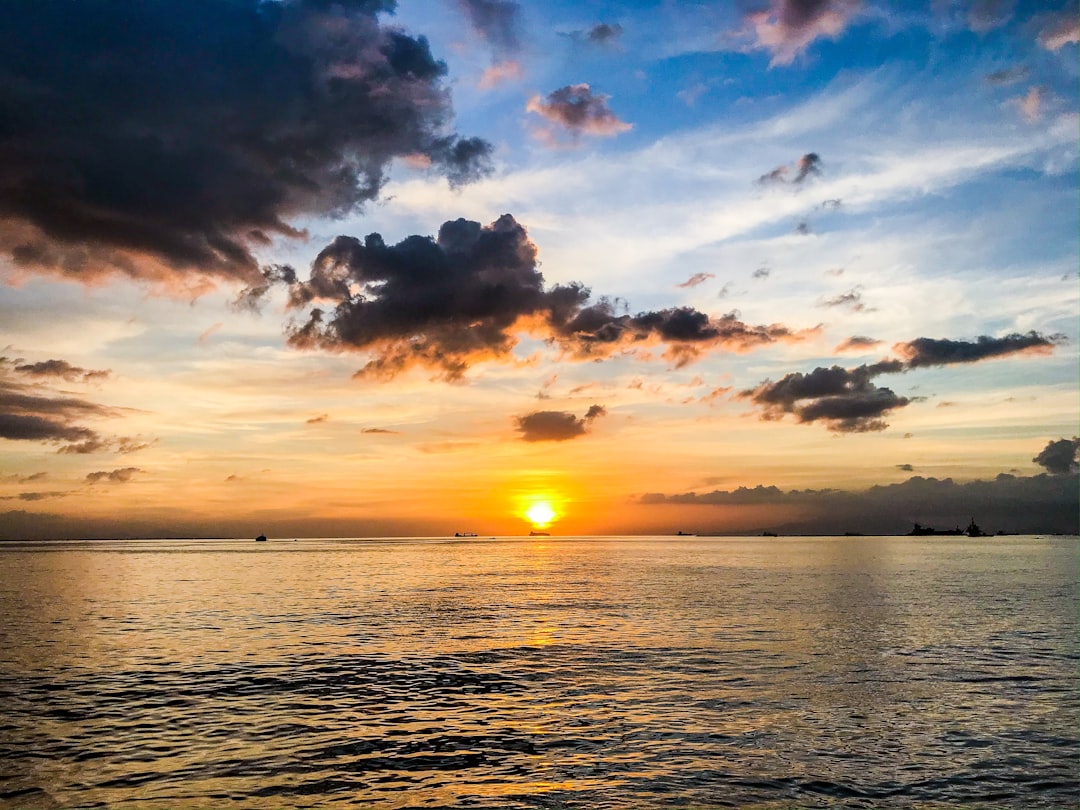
(540, 514)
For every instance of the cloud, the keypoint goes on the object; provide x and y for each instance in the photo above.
(34, 496)
(847, 401)
(556, 426)
(380, 431)
(761, 273)
(986, 15)
(905, 467)
(1059, 457)
(497, 21)
(26, 416)
(118, 476)
(857, 343)
(852, 300)
(604, 33)
(1041, 503)
(1061, 31)
(809, 165)
(315, 420)
(1008, 76)
(60, 368)
(1031, 104)
(578, 110)
(499, 73)
(787, 27)
(168, 146)
(465, 296)
(600, 35)
(31, 412)
(943, 352)
(844, 399)
(696, 279)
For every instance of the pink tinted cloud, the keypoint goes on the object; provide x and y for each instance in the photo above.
(787, 27)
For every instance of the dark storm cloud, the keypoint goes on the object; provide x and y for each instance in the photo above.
(151, 139)
(578, 110)
(597, 329)
(462, 297)
(846, 400)
(944, 352)
(497, 21)
(60, 368)
(809, 165)
(1041, 503)
(556, 426)
(118, 476)
(1059, 457)
(696, 279)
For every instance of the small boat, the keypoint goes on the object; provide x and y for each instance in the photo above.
(465, 534)
(261, 538)
(539, 534)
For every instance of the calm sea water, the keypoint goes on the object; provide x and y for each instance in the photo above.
(540, 672)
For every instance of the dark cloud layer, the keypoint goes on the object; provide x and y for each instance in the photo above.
(29, 416)
(59, 368)
(152, 140)
(556, 426)
(464, 296)
(1041, 503)
(31, 412)
(943, 352)
(1059, 457)
(847, 401)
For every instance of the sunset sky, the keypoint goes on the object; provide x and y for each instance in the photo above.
(319, 268)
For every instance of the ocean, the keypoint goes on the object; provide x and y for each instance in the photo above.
(548, 672)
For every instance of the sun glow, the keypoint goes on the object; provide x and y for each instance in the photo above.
(540, 514)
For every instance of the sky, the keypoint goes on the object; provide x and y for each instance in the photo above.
(358, 268)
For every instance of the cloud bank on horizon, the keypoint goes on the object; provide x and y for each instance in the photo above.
(726, 222)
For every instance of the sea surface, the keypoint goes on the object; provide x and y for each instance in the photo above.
(541, 673)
